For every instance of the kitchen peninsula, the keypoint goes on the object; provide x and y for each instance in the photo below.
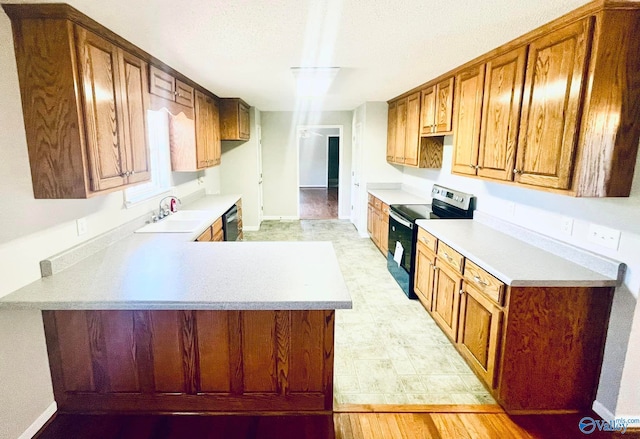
(157, 323)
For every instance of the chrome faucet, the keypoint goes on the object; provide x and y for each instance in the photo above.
(165, 211)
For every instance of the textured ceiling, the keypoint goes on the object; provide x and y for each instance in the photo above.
(245, 48)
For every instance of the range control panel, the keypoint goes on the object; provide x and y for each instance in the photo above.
(458, 199)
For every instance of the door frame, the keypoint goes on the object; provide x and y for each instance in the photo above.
(299, 130)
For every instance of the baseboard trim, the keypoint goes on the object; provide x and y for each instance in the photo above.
(40, 421)
(280, 218)
(250, 228)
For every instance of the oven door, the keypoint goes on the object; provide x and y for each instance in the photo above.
(400, 251)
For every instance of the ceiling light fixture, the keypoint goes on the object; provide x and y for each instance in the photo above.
(313, 81)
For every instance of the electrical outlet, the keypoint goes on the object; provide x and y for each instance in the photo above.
(604, 236)
(566, 225)
(81, 226)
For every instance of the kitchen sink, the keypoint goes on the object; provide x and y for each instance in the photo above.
(184, 221)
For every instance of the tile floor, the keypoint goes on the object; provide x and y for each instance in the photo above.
(388, 349)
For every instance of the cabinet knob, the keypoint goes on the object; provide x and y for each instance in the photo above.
(461, 291)
(425, 240)
(480, 281)
(133, 172)
(517, 171)
(478, 167)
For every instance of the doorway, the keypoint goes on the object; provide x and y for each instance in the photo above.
(319, 149)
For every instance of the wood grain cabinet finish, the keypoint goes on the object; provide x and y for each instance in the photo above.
(437, 108)
(191, 361)
(504, 78)
(467, 120)
(234, 119)
(378, 223)
(207, 119)
(551, 107)
(537, 349)
(479, 333)
(96, 140)
(392, 122)
(412, 131)
(401, 130)
(166, 86)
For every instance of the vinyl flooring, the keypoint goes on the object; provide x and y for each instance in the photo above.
(388, 350)
(319, 203)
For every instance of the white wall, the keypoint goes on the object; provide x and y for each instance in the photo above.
(619, 388)
(313, 156)
(239, 172)
(280, 159)
(31, 230)
(374, 168)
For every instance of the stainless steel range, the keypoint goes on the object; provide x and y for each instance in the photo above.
(446, 204)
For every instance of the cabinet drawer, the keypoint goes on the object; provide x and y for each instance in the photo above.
(377, 203)
(206, 236)
(385, 212)
(371, 198)
(484, 282)
(450, 256)
(184, 94)
(426, 238)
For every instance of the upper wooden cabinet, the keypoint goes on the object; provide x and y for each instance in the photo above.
(84, 101)
(467, 119)
(553, 95)
(404, 143)
(234, 119)
(208, 148)
(437, 108)
(163, 84)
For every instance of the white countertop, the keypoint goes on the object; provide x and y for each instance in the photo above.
(511, 260)
(397, 196)
(169, 271)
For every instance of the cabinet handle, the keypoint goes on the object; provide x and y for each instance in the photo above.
(446, 255)
(133, 172)
(461, 291)
(425, 240)
(480, 281)
(435, 268)
(478, 167)
(517, 171)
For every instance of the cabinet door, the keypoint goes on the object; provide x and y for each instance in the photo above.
(551, 106)
(428, 110)
(184, 94)
(479, 334)
(384, 229)
(423, 283)
(371, 216)
(98, 64)
(135, 101)
(412, 142)
(501, 115)
(162, 84)
(204, 138)
(401, 130)
(243, 121)
(392, 122)
(215, 151)
(443, 111)
(467, 118)
(446, 299)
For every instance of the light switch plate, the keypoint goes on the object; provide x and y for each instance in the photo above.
(604, 236)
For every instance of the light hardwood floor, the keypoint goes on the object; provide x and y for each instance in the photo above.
(319, 203)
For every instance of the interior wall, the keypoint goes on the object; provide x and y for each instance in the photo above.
(239, 172)
(313, 156)
(280, 159)
(374, 168)
(31, 230)
(619, 388)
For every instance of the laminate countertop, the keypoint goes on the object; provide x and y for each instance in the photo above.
(168, 271)
(397, 196)
(513, 261)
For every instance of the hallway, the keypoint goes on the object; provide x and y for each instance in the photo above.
(318, 203)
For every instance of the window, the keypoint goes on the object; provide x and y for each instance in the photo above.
(160, 158)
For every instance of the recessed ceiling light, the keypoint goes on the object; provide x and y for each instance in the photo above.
(313, 81)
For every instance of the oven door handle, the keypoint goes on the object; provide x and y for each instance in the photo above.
(401, 220)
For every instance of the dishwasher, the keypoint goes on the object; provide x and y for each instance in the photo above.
(230, 224)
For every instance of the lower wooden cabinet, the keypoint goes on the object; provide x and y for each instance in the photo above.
(213, 233)
(378, 223)
(536, 349)
(479, 329)
(446, 299)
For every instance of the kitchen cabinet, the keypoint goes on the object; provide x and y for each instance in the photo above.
(96, 140)
(412, 133)
(208, 147)
(234, 119)
(166, 86)
(401, 131)
(553, 91)
(240, 225)
(378, 223)
(437, 108)
(392, 121)
(555, 334)
(467, 119)
(213, 233)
